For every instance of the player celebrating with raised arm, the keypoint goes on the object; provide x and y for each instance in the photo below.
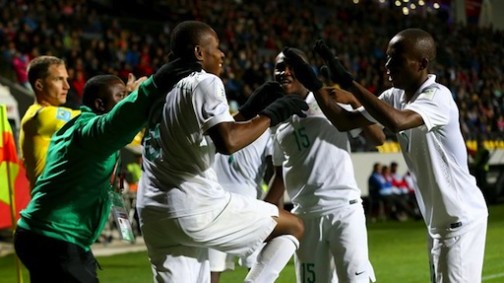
(183, 209)
(426, 120)
(312, 157)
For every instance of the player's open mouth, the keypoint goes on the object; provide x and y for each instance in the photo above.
(285, 82)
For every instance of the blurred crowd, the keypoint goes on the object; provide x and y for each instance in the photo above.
(96, 39)
(391, 195)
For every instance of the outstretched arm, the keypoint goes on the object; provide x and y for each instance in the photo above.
(343, 120)
(394, 119)
(118, 127)
(230, 137)
(327, 98)
(373, 134)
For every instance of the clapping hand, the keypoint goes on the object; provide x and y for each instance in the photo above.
(303, 72)
(261, 98)
(133, 83)
(284, 107)
(336, 72)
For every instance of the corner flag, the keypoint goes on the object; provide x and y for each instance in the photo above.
(14, 193)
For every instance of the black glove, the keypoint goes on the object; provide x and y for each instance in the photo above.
(260, 98)
(172, 72)
(284, 107)
(337, 72)
(302, 70)
(325, 73)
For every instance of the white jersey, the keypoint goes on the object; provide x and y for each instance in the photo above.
(436, 155)
(317, 167)
(243, 171)
(178, 178)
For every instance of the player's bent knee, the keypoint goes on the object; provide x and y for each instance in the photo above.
(299, 228)
(288, 224)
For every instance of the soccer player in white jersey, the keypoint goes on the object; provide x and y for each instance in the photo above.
(426, 120)
(314, 158)
(242, 173)
(183, 210)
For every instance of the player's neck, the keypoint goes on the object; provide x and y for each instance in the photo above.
(43, 102)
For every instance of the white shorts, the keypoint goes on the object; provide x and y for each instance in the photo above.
(220, 261)
(238, 229)
(335, 241)
(460, 258)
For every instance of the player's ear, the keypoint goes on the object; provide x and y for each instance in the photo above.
(39, 85)
(198, 52)
(424, 63)
(99, 105)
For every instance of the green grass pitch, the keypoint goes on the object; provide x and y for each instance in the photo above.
(397, 251)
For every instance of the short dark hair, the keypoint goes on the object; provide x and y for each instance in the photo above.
(423, 42)
(376, 166)
(96, 87)
(39, 67)
(185, 36)
(300, 53)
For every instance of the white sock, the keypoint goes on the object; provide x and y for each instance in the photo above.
(272, 259)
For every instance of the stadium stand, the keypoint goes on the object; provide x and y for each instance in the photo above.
(118, 37)
(95, 38)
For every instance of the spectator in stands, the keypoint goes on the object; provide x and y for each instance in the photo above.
(376, 202)
(389, 200)
(406, 191)
(247, 33)
(388, 187)
(500, 123)
(398, 197)
(409, 180)
(397, 179)
(78, 83)
(71, 200)
(480, 165)
(20, 65)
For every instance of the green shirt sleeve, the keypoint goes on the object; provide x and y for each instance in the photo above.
(110, 132)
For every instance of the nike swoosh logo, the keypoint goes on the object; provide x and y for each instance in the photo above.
(359, 273)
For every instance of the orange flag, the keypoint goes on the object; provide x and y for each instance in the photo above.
(14, 187)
